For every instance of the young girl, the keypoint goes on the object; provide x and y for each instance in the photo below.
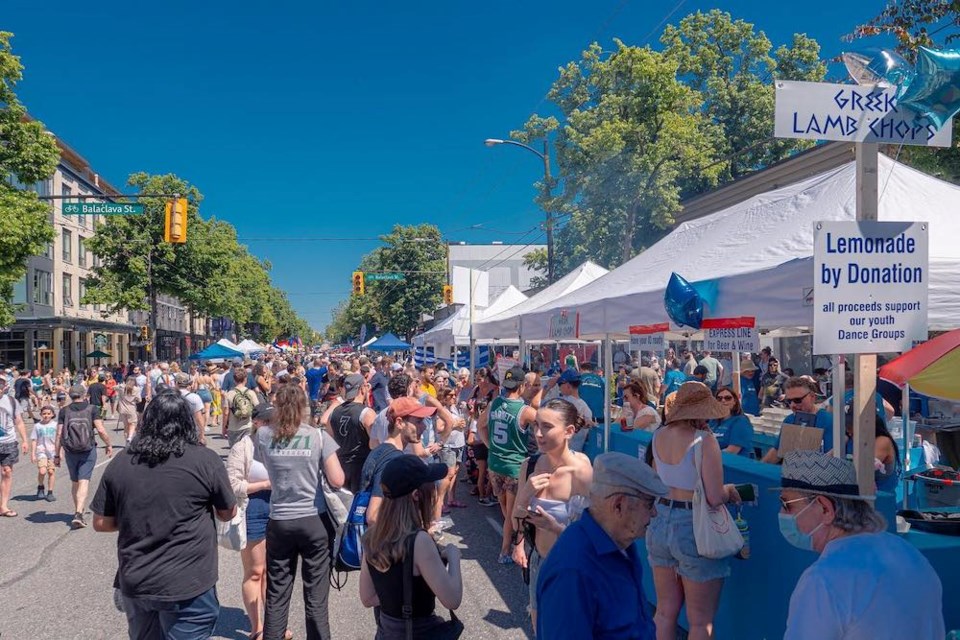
(127, 398)
(451, 453)
(42, 451)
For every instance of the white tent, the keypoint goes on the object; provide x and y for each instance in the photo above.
(507, 325)
(760, 252)
(249, 347)
(455, 329)
(369, 342)
(229, 345)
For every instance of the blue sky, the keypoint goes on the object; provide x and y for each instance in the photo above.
(326, 120)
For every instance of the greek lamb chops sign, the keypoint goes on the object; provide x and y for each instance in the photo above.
(851, 113)
(870, 286)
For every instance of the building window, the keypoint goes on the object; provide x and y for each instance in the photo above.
(67, 290)
(67, 239)
(81, 252)
(49, 252)
(83, 293)
(42, 287)
(20, 290)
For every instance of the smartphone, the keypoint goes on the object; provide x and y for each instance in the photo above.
(748, 493)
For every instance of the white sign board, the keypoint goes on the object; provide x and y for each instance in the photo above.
(463, 280)
(870, 286)
(740, 339)
(851, 113)
(564, 326)
(647, 342)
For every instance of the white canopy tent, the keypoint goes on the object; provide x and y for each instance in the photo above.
(760, 253)
(249, 347)
(455, 329)
(510, 325)
(229, 345)
(369, 342)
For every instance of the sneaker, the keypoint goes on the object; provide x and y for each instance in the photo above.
(489, 501)
(504, 559)
(40, 492)
(51, 497)
(78, 522)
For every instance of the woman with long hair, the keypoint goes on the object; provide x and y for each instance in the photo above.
(295, 455)
(409, 495)
(553, 493)
(262, 379)
(886, 454)
(680, 574)
(644, 417)
(735, 432)
(202, 384)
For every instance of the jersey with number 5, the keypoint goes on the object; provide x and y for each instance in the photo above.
(508, 440)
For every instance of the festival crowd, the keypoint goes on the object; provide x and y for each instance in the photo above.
(351, 463)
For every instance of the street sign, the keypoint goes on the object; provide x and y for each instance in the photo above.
(851, 113)
(385, 276)
(102, 208)
(870, 286)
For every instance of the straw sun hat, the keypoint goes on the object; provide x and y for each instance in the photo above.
(694, 401)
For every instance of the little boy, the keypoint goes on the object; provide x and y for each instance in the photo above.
(42, 445)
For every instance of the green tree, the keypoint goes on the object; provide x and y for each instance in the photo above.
(733, 67)
(629, 132)
(27, 155)
(536, 261)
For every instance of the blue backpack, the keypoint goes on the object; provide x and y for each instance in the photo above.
(349, 554)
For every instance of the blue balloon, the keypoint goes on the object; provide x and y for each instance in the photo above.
(683, 304)
(883, 67)
(935, 91)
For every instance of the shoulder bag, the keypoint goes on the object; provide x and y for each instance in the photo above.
(716, 534)
(447, 629)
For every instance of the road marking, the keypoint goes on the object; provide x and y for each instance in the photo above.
(496, 525)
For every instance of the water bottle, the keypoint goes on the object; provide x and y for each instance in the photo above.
(744, 527)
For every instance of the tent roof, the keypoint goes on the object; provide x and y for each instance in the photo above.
(455, 329)
(389, 342)
(506, 325)
(760, 251)
(228, 344)
(217, 352)
(248, 346)
(369, 342)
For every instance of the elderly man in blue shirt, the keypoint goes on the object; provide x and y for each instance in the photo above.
(590, 585)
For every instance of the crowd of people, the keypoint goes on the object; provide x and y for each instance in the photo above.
(304, 432)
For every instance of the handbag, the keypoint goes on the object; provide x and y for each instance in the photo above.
(232, 534)
(714, 530)
(448, 629)
(338, 501)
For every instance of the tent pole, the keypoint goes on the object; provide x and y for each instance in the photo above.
(907, 439)
(839, 383)
(736, 374)
(607, 368)
(473, 342)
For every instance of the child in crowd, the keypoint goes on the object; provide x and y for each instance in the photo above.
(42, 451)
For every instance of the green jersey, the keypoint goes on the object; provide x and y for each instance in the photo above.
(508, 440)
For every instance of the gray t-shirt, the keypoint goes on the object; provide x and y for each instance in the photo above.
(294, 468)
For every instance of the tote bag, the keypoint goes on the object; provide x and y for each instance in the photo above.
(714, 530)
(232, 535)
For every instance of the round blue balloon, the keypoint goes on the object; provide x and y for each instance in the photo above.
(683, 304)
(883, 67)
(935, 90)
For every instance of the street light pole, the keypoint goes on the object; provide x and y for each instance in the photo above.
(547, 181)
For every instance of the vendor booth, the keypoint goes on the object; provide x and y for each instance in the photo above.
(217, 353)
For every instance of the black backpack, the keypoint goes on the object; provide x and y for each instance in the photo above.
(78, 430)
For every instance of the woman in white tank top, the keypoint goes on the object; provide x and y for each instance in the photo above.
(681, 576)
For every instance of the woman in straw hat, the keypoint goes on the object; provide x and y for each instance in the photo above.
(681, 576)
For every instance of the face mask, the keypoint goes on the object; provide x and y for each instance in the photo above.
(791, 532)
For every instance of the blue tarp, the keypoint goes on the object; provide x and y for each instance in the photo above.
(217, 352)
(389, 342)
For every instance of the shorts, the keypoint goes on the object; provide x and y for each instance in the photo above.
(9, 454)
(205, 395)
(257, 515)
(23, 406)
(501, 483)
(533, 571)
(480, 452)
(451, 457)
(127, 416)
(670, 543)
(80, 465)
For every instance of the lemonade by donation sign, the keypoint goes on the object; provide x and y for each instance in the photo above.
(870, 286)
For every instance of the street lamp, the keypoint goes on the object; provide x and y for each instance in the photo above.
(548, 225)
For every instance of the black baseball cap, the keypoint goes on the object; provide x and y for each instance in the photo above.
(512, 378)
(405, 474)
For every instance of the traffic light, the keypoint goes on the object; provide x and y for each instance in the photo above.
(144, 332)
(448, 294)
(359, 288)
(175, 221)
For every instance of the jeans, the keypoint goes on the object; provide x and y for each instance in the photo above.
(192, 619)
(305, 539)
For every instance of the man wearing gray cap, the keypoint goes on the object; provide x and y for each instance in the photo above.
(183, 382)
(349, 424)
(75, 426)
(590, 585)
(11, 423)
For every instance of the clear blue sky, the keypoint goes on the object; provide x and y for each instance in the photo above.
(336, 120)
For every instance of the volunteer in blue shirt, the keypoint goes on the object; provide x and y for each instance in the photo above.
(590, 586)
(866, 582)
(800, 393)
(749, 383)
(672, 379)
(735, 432)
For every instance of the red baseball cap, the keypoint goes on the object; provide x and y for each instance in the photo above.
(410, 407)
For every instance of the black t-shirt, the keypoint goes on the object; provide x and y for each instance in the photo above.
(350, 433)
(96, 392)
(167, 545)
(21, 388)
(374, 466)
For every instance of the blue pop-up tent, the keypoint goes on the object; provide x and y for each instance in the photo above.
(389, 342)
(217, 351)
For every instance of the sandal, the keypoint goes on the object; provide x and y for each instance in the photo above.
(9, 513)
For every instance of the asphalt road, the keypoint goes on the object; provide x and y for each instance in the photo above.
(56, 583)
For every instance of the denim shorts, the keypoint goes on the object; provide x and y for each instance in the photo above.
(451, 457)
(670, 543)
(80, 465)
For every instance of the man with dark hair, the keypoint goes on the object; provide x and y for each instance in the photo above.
(800, 394)
(349, 423)
(378, 386)
(75, 426)
(398, 387)
(161, 494)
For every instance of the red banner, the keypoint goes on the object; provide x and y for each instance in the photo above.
(727, 323)
(644, 329)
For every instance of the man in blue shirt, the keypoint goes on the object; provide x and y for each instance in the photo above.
(800, 394)
(590, 584)
(592, 389)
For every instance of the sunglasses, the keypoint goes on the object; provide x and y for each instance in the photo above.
(786, 503)
(724, 398)
(796, 400)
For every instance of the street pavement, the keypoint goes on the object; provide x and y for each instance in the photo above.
(56, 583)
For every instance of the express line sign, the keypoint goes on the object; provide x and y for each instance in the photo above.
(736, 335)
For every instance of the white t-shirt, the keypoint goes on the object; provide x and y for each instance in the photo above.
(196, 404)
(8, 420)
(582, 408)
(45, 433)
(647, 410)
(380, 429)
(456, 439)
(867, 586)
